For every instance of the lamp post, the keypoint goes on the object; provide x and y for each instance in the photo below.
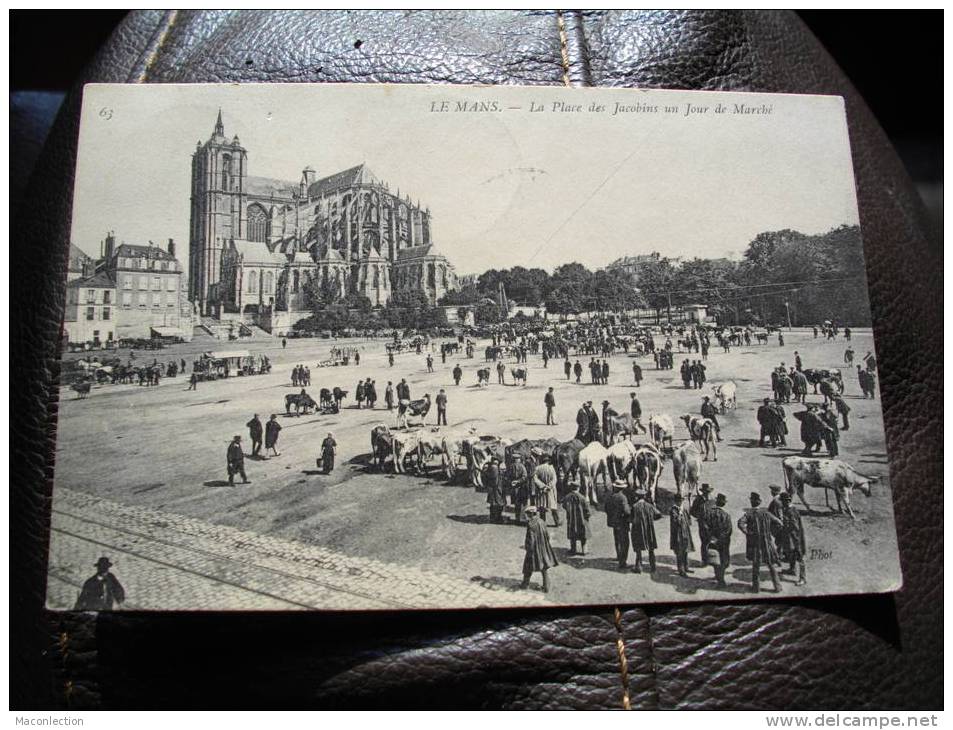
(787, 308)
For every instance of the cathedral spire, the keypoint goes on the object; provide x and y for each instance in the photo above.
(219, 127)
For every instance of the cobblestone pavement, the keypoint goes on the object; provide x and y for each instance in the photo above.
(167, 561)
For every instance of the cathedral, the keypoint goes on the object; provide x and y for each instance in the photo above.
(254, 242)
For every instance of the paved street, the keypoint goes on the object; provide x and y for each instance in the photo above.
(140, 477)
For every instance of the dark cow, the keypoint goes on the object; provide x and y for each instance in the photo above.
(381, 444)
(82, 390)
(525, 449)
(519, 375)
(566, 461)
(816, 375)
(301, 402)
(339, 395)
(325, 398)
(483, 377)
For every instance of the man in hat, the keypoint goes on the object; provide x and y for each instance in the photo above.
(635, 409)
(329, 447)
(637, 374)
(577, 371)
(235, 461)
(812, 428)
(832, 435)
(765, 421)
(494, 489)
(719, 531)
(544, 484)
(550, 401)
(271, 435)
(843, 409)
(774, 507)
(797, 361)
(582, 425)
(619, 519)
(389, 396)
(700, 508)
(595, 429)
(709, 411)
(756, 524)
(102, 592)
(539, 551)
(441, 408)
(644, 515)
(793, 545)
(680, 535)
(519, 483)
(255, 430)
(577, 519)
(457, 374)
(567, 368)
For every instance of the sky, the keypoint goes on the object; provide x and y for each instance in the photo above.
(505, 185)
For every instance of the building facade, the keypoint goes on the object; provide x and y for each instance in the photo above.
(91, 309)
(255, 243)
(632, 265)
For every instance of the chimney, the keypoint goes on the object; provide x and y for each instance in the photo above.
(110, 245)
(172, 248)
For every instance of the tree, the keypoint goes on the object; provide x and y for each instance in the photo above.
(656, 279)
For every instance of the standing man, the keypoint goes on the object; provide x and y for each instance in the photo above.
(774, 507)
(637, 374)
(765, 421)
(582, 425)
(577, 519)
(194, 380)
(519, 483)
(284, 343)
(709, 411)
(441, 408)
(700, 510)
(390, 358)
(567, 368)
(797, 361)
(254, 433)
(832, 434)
(429, 363)
(539, 551)
(719, 537)
(550, 400)
(605, 372)
(359, 393)
(403, 390)
(457, 374)
(756, 524)
(793, 544)
(389, 396)
(577, 371)
(235, 461)
(686, 371)
(680, 532)
(843, 409)
(370, 392)
(494, 490)
(271, 435)
(102, 592)
(644, 515)
(544, 484)
(595, 429)
(635, 409)
(619, 518)
(849, 356)
(501, 373)
(812, 430)
(329, 447)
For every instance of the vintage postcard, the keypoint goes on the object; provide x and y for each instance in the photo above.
(407, 347)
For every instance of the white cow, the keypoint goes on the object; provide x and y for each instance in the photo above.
(726, 395)
(404, 444)
(648, 468)
(621, 457)
(687, 467)
(593, 461)
(661, 429)
(827, 474)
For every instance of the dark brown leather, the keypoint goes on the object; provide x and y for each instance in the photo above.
(857, 652)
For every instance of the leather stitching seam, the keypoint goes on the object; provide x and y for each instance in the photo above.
(563, 46)
(623, 662)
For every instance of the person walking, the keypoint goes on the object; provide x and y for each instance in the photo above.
(756, 524)
(441, 408)
(619, 519)
(102, 592)
(766, 421)
(550, 400)
(390, 358)
(709, 411)
(255, 431)
(793, 545)
(235, 461)
(577, 519)
(271, 435)
(832, 435)
(539, 551)
(680, 535)
(544, 484)
(644, 515)
(194, 380)
(637, 374)
(843, 409)
(719, 529)
(329, 448)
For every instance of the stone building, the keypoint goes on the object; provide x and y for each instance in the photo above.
(256, 242)
(90, 314)
(632, 265)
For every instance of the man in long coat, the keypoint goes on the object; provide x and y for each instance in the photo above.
(582, 425)
(255, 430)
(843, 409)
(271, 435)
(539, 551)
(550, 401)
(370, 392)
(329, 448)
(774, 507)
(778, 424)
(359, 393)
(765, 421)
(493, 482)
(102, 592)
(519, 484)
(793, 544)
(812, 429)
(389, 396)
(700, 509)
(644, 515)
(832, 435)
(680, 535)
(567, 368)
(756, 524)
(235, 461)
(637, 374)
(544, 484)
(619, 518)
(577, 519)
(457, 374)
(595, 429)
(719, 537)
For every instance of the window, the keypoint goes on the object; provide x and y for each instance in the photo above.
(267, 282)
(156, 300)
(143, 282)
(156, 283)
(170, 299)
(257, 223)
(107, 296)
(142, 299)
(170, 284)
(127, 299)
(127, 282)
(252, 282)
(105, 313)
(295, 281)
(90, 313)
(90, 295)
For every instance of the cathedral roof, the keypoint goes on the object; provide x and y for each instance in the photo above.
(99, 280)
(256, 252)
(415, 252)
(269, 186)
(359, 175)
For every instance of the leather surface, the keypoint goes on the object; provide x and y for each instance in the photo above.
(854, 652)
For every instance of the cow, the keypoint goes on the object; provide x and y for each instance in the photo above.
(407, 408)
(519, 375)
(816, 375)
(726, 396)
(403, 444)
(339, 395)
(621, 460)
(593, 461)
(429, 445)
(616, 424)
(301, 401)
(761, 338)
(661, 429)
(702, 431)
(478, 450)
(525, 450)
(325, 398)
(483, 377)
(687, 467)
(648, 468)
(827, 474)
(566, 460)
(381, 444)
(82, 390)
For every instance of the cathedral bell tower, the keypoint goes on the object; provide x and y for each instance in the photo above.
(219, 172)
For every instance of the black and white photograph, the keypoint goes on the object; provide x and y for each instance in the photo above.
(376, 347)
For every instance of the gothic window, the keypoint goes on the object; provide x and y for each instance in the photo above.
(252, 282)
(257, 223)
(267, 282)
(377, 277)
(226, 172)
(431, 276)
(295, 281)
